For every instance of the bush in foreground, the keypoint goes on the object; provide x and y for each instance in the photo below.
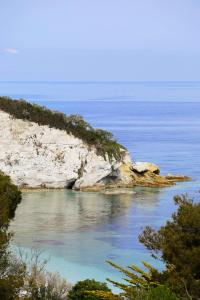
(80, 290)
(177, 244)
(10, 281)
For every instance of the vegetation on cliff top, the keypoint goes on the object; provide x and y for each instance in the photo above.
(102, 140)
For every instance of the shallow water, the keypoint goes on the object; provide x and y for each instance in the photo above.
(157, 122)
(80, 231)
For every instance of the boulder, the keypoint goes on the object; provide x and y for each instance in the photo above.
(143, 167)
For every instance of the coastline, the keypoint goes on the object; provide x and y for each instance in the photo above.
(162, 182)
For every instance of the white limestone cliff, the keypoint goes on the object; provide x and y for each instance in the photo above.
(39, 156)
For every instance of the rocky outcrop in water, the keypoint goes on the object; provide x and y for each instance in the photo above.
(127, 176)
(37, 156)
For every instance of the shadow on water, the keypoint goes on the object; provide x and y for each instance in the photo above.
(85, 228)
(68, 211)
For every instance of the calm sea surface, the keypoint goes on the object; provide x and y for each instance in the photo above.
(157, 122)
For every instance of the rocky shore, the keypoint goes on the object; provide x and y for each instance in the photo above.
(142, 174)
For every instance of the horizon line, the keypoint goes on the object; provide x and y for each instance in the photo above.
(99, 81)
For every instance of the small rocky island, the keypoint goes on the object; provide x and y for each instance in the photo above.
(41, 148)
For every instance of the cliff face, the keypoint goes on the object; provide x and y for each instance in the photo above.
(39, 156)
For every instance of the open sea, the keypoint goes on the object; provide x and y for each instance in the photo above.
(158, 122)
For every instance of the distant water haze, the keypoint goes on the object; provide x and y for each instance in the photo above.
(122, 91)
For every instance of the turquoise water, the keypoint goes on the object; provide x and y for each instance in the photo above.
(80, 231)
(157, 122)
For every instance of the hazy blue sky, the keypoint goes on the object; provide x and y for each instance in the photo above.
(99, 39)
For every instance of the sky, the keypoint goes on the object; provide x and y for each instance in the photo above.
(99, 40)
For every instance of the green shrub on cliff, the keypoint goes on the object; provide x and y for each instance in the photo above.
(74, 124)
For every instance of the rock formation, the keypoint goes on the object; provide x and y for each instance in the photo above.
(39, 156)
